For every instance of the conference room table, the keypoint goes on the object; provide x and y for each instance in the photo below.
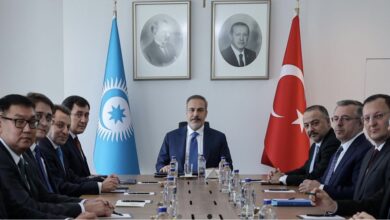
(200, 200)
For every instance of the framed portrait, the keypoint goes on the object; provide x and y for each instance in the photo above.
(161, 40)
(240, 39)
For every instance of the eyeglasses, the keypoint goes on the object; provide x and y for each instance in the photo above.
(60, 125)
(343, 118)
(200, 110)
(79, 115)
(40, 115)
(377, 116)
(21, 123)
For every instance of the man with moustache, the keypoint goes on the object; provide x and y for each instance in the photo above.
(68, 183)
(209, 142)
(317, 125)
(372, 195)
(23, 192)
(343, 170)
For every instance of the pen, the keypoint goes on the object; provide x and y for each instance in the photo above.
(139, 193)
(147, 182)
(310, 193)
(278, 189)
(117, 213)
(321, 215)
(126, 200)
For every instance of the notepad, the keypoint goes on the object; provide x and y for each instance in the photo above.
(291, 202)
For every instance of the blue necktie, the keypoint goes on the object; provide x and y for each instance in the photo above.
(194, 152)
(38, 158)
(333, 165)
(61, 157)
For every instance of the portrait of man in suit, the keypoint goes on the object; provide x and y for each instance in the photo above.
(237, 54)
(161, 51)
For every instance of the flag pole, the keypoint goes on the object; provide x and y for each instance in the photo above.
(115, 2)
(297, 8)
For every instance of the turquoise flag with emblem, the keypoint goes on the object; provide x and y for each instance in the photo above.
(115, 148)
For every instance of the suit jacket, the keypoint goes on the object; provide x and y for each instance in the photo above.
(370, 183)
(155, 55)
(328, 147)
(31, 201)
(77, 163)
(3, 212)
(342, 183)
(377, 205)
(214, 146)
(67, 182)
(231, 58)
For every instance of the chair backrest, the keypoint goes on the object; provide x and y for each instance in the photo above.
(184, 123)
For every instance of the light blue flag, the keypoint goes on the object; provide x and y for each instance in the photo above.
(115, 150)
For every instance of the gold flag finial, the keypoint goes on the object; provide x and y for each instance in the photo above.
(115, 8)
(297, 8)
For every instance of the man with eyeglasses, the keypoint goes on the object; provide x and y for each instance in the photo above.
(23, 192)
(343, 170)
(68, 183)
(372, 192)
(196, 138)
(317, 125)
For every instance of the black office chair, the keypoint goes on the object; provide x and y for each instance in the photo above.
(184, 123)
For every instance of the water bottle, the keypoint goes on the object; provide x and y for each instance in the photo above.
(171, 172)
(162, 213)
(235, 187)
(174, 164)
(226, 180)
(267, 210)
(248, 199)
(220, 169)
(169, 190)
(201, 168)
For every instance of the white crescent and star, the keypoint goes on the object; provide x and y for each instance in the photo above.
(291, 70)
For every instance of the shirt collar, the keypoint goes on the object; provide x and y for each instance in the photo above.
(199, 131)
(236, 52)
(14, 156)
(33, 146)
(72, 135)
(379, 148)
(52, 143)
(346, 145)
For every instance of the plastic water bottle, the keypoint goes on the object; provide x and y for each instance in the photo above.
(267, 210)
(201, 168)
(162, 213)
(174, 164)
(220, 169)
(227, 177)
(235, 187)
(248, 198)
(169, 190)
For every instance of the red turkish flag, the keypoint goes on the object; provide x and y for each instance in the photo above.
(286, 143)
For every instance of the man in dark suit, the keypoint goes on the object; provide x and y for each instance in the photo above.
(209, 142)
(317, 125)
(25, 194)
(342, 173)
(236, 54)
(160, 52)
(67, 182)
(373, 193)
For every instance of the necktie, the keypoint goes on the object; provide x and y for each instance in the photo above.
(372, 159)
(241, 59)
(61, 157)
(194, 152)
(22, 169)
(44, 176)
(333, 165)
(313, 159)
(78, 144)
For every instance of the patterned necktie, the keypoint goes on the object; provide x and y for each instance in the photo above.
(313, 159)
(44, 176)
(78, 144)
(194, 151)
(22, 170)
(333, 165)
(372, 159)
(61, 157)
(241, 59)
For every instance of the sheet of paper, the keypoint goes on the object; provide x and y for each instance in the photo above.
(120, 203)
(336, 217)
(279, 191)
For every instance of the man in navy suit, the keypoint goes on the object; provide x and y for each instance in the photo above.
(236, 54)
(317, 125)
(211, 143)
(342, 173)
(373, 192)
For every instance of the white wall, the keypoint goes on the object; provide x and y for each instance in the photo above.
(337, 38)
